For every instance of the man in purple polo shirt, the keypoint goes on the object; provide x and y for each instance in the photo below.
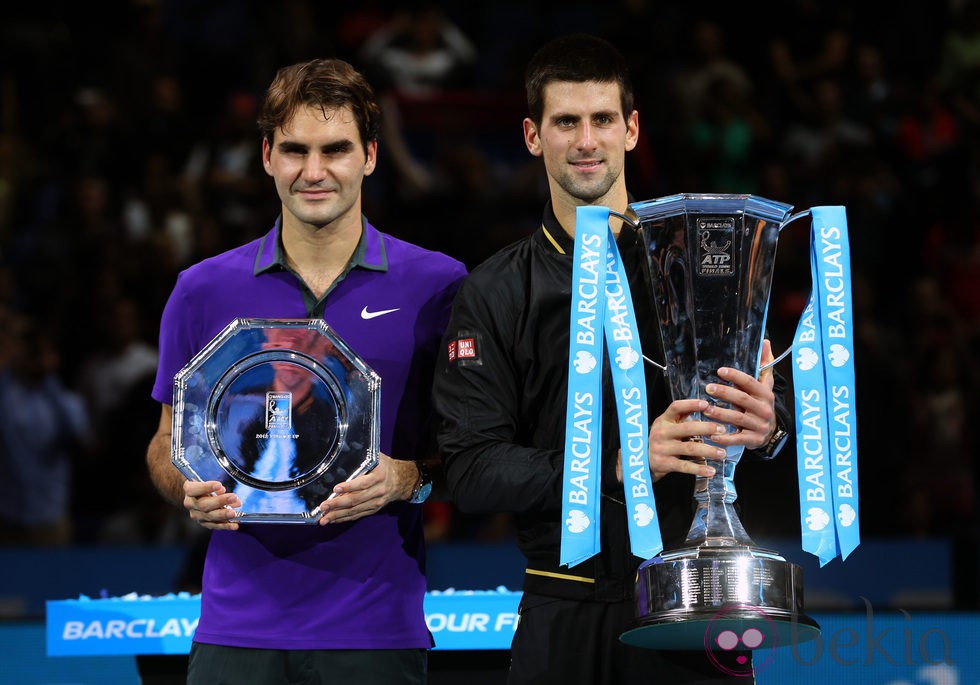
(340, 601)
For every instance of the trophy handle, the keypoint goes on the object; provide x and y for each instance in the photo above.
(798, 215)
(636, 225)
(653, 363)
(776, 360)
(781, 357)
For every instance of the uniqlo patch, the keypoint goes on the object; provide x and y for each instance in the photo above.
(465, 349)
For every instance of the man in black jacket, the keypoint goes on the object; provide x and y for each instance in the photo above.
(502, 379)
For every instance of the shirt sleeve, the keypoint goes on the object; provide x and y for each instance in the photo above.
(176, 344)
(477, 396)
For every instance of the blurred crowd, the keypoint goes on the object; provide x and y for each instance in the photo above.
(129, 150)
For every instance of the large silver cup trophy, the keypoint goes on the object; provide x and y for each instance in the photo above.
(710, 259)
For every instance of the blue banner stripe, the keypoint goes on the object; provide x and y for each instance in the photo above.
(816, 500)
(599, 313)
(583, 413)
(832, 255)
(823, 379)
(629, 381)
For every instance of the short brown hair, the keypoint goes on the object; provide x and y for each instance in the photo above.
(578, 58)
(324, 83)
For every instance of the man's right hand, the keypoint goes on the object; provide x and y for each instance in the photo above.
(676, 444)
(210, 505)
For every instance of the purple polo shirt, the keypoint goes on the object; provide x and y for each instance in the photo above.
(342, 586)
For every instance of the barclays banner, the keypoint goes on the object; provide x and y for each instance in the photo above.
(867, 647)
(457, 619)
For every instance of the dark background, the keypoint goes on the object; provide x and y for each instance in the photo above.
(128, 150)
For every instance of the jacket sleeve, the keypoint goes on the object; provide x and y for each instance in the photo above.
(477, 399)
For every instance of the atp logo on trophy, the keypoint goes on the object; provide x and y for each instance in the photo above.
(717, 247)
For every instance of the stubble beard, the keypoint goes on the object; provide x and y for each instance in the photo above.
(322, 214)
(587, 191)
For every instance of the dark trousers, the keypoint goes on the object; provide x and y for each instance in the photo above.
(568, 642)
(218, 665)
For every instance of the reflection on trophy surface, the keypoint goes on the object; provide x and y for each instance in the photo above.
(710, 261)
(279, 411)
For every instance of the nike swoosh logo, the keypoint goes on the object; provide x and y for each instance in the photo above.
(365, 314)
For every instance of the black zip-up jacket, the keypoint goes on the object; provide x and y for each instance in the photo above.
(500, 394)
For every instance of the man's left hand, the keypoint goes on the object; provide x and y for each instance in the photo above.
(390, 480)
(752, 401)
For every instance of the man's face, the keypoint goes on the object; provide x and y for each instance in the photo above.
(583, 139)
(292, 375)
(318, 164)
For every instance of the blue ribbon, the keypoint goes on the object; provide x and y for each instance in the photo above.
(602, 309)
(823, 380)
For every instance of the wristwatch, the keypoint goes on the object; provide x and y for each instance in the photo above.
(423, 486)
(776, 442)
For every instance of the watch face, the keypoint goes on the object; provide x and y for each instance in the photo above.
(423, 494)
(279, 411)
(776, 442)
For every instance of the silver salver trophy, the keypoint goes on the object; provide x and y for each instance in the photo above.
(279, 411)
(710, 260)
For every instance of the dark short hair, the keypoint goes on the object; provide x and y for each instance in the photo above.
(324, 83)
(577, 57)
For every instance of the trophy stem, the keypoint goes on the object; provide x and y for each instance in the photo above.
(716, 524)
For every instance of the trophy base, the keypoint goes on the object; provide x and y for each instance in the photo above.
(687, 598)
